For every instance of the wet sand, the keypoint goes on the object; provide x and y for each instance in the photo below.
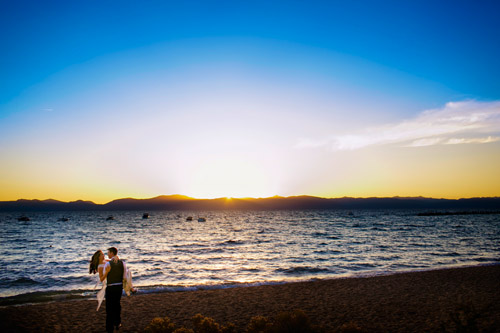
(405, 302)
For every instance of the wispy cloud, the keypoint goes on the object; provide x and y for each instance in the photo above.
(456, 123)
(452, 141)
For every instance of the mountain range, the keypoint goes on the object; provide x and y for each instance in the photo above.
(181, 202)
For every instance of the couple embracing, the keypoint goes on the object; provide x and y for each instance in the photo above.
(115, 277)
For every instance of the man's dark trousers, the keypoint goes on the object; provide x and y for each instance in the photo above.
(113, 307)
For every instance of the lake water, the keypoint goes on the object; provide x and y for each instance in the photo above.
(45, 259)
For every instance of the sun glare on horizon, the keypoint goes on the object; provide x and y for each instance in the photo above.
(225, 177)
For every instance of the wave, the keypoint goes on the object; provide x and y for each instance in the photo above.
(299, 244)
(356, 267)
(445, 254)
(232, 242)
(45, 281)
(407, 266)
(329, 252)
(300, 270)
(250, 269)
(486, 259)
(19, 282)
(56, 295)
(46, 296)
(419, 245)
(206, 250)
(378, 229)
(189, 245)
(145, 276)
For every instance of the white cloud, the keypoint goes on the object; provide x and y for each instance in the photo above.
(425, 142)
(456, 141)
(456, 123)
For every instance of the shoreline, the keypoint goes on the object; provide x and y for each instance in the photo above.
(402, 301)
(41, 297)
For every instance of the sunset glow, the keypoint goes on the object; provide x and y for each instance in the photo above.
(220, 106)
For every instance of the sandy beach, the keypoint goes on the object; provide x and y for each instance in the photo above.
(405, 302)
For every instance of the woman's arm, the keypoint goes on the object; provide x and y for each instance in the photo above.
(101, 273)
(106, 271)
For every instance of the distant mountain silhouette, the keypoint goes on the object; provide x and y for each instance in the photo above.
(156, 203)
(46, 205)
(181, 202)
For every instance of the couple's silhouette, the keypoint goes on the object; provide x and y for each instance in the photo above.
(115, 277)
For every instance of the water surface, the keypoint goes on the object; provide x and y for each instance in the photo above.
(166, 252)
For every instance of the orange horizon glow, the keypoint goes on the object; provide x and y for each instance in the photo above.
(228, 198)
(451, 172)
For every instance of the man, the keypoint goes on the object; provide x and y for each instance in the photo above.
(115, 273)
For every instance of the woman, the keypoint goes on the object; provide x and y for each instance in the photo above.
(97, 266)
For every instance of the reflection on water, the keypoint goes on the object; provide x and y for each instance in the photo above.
(232, 247)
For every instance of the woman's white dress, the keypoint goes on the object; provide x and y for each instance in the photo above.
(127, 286)
(102, 292)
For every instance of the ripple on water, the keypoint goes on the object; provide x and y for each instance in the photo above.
(236, 246)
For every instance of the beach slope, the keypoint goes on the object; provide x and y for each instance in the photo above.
(404, 302)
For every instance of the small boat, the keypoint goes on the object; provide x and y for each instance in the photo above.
(202, 219)
(110, 217)
(189, 218)
(23, 218)
(63, 219)
(145, 216)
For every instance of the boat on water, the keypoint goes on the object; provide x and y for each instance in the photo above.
(63, 219)
(189, 218)
(23, 218)
(110, 217)
(202, 219)
(145, 216)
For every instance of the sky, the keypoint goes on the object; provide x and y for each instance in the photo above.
(108, 99)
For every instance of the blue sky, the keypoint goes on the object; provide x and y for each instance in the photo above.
(100, 82)
(454, 43)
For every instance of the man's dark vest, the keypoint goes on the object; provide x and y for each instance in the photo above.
(115, 275)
